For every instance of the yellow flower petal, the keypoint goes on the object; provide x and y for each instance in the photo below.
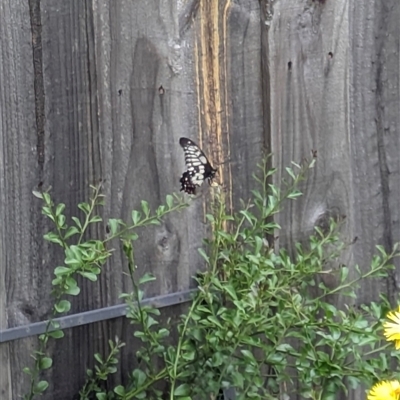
(391, 330)
(385, 390)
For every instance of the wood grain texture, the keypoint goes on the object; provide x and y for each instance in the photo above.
(21, 274)
(103, 90)
(335, 88)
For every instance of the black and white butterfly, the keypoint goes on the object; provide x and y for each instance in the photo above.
(198, 167)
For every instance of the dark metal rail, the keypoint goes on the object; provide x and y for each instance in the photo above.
(88, 317)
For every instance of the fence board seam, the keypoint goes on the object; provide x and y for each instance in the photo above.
(89, 317)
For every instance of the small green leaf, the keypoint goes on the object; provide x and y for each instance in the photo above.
(135, 217)
(52, 237)
(294, 194)
(101, 396)
(47, 212)
(37, 194)
(27, 370)
(60, 208)
(46, 197)
(247, 354)
(182, 390)
(204, 255)
(344, 272)
(291, 173)
(145, 208)
(61, 221)
(119, 390)
(59, 271)
(296, 165)
(162, 333)
(77, 222)
(147, 277)
(95, 219)
(72, 290)
(139, 376)
(284, 348)
(98, 358)
(114, 224)
(72, 230)
(62, 306)
(85, 207)
(89, 275)
(131, 236)
(170, 201)
(249, 216)
(40, 387)
(46, 363)
(58, 334)
(75, 252)
(160, 211)
(210, 217)
(231, 291)
(381, 249)
(214, 320)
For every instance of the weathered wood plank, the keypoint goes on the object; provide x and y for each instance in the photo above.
(374, 121)
(375, 114)
(309, 110)
(71, 163)
(308, 103)
(20, 244)
(334, 88)
(247, 130)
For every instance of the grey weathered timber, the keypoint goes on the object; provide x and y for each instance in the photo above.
(20, 230)
(96, 90)
(334, 70)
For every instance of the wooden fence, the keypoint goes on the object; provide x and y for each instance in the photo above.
(103, 89)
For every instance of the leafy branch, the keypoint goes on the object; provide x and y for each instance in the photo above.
(85, 258)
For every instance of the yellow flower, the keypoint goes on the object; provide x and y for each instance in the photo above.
(392, 329)
(385, 390)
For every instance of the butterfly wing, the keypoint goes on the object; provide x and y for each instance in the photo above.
(186, 183)
(198, 167)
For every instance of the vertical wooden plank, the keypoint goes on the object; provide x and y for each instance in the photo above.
(229, 76)
(374, 109)
(309, 90)
(308, 44)
(21, 229)
(374, 122)
(72, 146)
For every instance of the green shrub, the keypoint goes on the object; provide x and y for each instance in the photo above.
(261, 321)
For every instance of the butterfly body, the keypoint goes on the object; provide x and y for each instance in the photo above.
(198, 167)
